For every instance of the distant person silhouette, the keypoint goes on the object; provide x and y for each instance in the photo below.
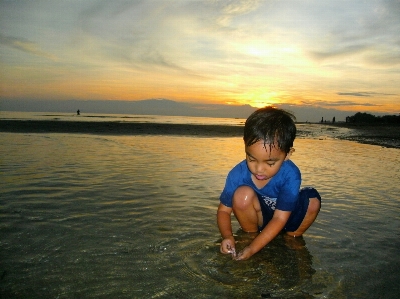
(78, 112)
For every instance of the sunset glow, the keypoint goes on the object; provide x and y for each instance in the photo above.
(332, 55)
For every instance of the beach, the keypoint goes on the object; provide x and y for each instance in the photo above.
(118, 209)
(383, 135)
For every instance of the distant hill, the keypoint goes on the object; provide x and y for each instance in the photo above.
(142, 107)
(165, 107)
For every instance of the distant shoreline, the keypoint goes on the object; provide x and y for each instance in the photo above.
(383, 135)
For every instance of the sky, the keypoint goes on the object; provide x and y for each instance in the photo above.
(342, 55)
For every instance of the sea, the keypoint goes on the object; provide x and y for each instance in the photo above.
(129, 216)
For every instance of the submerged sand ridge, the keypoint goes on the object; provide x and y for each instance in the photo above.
(383, 135)
(117, 128)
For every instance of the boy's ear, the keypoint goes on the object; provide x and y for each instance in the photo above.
(291, 151)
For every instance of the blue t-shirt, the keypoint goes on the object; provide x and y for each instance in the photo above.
(281, 192)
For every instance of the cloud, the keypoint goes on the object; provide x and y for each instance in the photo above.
(364, 94)
(25, 46)
(342, 52)
(384, 58)
(239, 51)
(342, 104)
(365, 34)
(146, 35)
(240, 6)
(234, 8)
(349, 103)
(355, 94)
(140, 35)
(154, 57)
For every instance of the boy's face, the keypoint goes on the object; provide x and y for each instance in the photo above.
(264, 161)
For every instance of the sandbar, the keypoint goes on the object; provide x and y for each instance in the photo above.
(383, 135)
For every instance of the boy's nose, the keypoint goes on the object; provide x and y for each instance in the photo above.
(260, 168)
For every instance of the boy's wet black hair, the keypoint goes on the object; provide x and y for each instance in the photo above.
(271, 125)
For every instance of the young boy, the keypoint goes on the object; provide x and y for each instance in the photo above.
(263, 190)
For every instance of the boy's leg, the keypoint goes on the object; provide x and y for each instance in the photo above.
(312, 212)
(247, 209)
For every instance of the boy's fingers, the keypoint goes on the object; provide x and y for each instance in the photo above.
(225, 249)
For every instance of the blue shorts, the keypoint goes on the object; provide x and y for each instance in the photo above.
(297, 215)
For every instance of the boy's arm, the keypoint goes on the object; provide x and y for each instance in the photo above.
(273, 228)
(225, 228)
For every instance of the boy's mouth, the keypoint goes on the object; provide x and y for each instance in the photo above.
(260, 177)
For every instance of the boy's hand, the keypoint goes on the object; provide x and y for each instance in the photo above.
(245, 254)
(228, 246)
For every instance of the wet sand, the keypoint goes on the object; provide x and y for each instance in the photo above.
(383, 135)
(117, 128)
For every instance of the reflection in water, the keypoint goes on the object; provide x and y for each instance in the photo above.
(281, 269)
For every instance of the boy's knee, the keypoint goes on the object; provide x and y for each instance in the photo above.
(243, 197)
(314, 206)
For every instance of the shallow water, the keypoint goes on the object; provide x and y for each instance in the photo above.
(86, 216)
